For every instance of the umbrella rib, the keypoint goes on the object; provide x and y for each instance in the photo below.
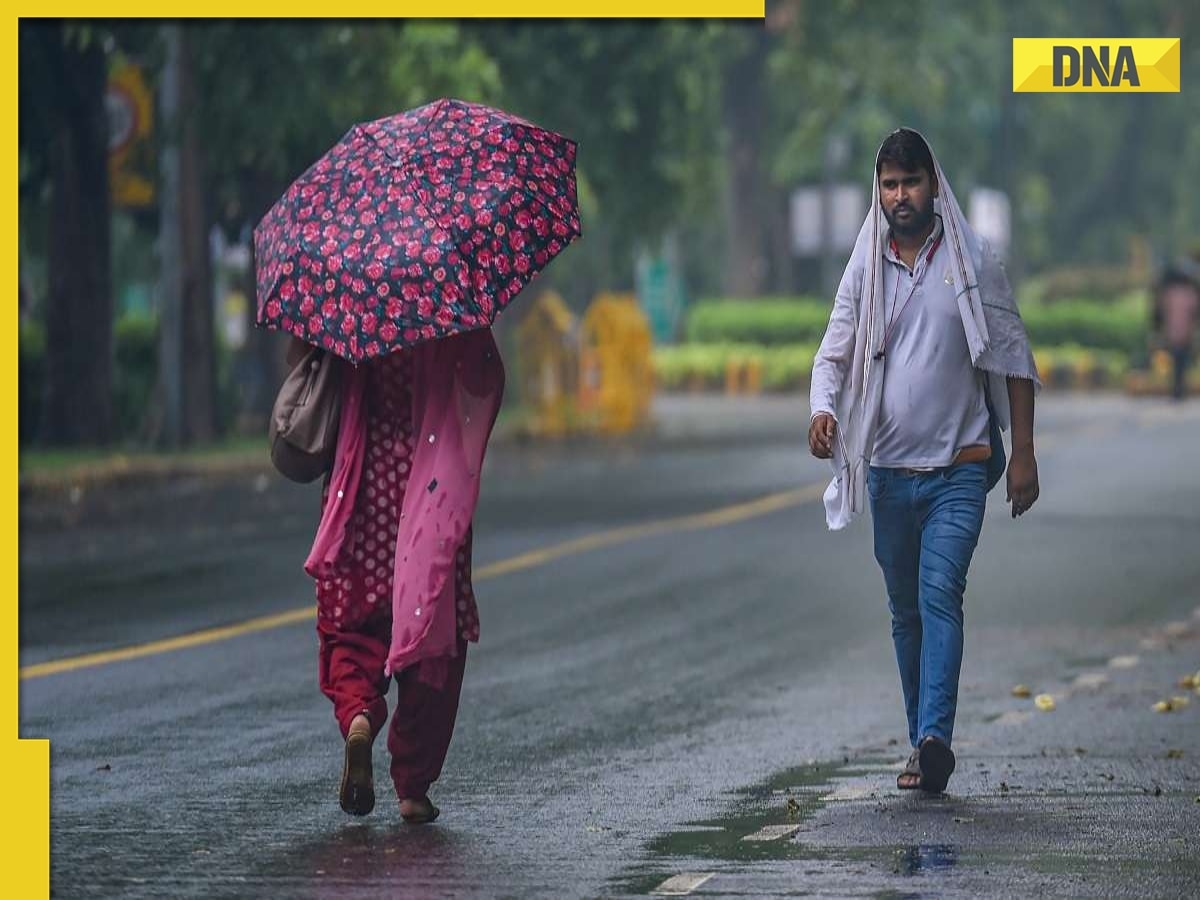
(456, 235)
(413, 158)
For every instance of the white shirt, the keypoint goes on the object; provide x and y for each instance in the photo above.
(933, 401)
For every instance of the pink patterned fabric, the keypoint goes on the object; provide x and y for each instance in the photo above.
(414, 227)
(457, 385)
(361, 587)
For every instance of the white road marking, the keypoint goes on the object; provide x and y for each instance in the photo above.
(682, 884)
(1090, 681)
(772, 833)
(845, 794)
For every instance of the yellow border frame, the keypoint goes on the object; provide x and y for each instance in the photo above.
(27, 826)
(26, 838)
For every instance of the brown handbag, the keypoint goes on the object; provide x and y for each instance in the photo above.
(304, 421)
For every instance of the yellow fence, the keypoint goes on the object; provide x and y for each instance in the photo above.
(548, 365)
(616, 383)
(591, 375)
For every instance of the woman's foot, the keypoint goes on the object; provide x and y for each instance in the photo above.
(418, 812)
(357, 791)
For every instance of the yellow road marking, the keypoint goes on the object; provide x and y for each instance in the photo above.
(715, 518)
(194, 639)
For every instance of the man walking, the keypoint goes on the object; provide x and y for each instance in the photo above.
(1178, 299)
(924, 360)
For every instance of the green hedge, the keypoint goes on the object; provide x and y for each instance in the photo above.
(802, 320)
(788, 366)
(703, 366)
(794, 320)
(1087, 323)
(135, 372)
(32, 376)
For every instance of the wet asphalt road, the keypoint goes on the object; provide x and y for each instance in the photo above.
(633, 712)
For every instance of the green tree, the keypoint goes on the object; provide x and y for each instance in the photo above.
(64, 143)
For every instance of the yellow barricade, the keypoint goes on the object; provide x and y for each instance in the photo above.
(548, 364)
(616, 383)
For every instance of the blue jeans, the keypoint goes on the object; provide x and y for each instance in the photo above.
(926, 529)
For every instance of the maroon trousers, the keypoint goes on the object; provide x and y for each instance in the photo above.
(351, 673)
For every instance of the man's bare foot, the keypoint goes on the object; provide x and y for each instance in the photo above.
(418, 812)
(357, 791)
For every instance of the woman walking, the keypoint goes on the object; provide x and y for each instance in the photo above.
(392, 558)
(395, 252)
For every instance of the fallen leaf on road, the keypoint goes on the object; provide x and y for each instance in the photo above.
(1044, 702)
(1021, 691)
(1163, 706)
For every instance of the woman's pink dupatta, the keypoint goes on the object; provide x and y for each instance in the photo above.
(458, 383)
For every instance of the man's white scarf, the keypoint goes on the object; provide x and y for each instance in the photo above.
(995, 335)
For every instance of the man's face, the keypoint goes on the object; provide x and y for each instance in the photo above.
(907, 199)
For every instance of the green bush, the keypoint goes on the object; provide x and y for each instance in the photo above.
(768, 321)
(802, 320)
(787, 367)
(703, 366)
(1086, 323)
(135, 371)
(31, 376)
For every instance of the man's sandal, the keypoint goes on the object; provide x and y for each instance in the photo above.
(910, 778)
(935, 761)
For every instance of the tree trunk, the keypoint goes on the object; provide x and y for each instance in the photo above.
(743, 109)
(263, 365)
(199, 338)
(77, 407)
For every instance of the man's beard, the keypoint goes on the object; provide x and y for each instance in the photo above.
(915, 224)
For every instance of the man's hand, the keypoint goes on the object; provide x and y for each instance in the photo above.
(821, 433)
(1022, 480)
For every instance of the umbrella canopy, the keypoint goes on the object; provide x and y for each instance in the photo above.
(415, 227)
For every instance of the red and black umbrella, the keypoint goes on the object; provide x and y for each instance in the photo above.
(415, 227)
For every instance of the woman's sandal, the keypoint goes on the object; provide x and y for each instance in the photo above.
(910, 778)
(423, 813)
(357, 791)
(935, 762)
